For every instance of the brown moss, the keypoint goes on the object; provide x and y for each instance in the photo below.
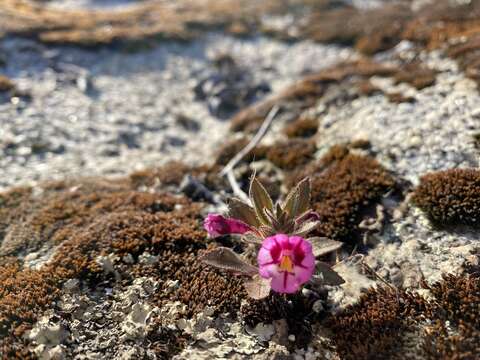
(231, 148)
(147, 20)
(360, 144)
(373, 327)
(344, 187)
(90, 219)
(370, 31)
(291, 153)
(452, 26)
(165, 342)
(171, 173)
(397, 97)
(450, 197)
(61, 215)
(307, 91)
(6, 84)
(385, 315)
(366, 88)
(416, 75)
(457, 300)
(301, 127)
(170, 176)
(10, 201)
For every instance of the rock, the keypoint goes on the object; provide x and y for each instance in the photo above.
(135, 324)
(48, 333)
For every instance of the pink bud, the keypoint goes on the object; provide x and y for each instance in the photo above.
(288, 261)
(217, 225)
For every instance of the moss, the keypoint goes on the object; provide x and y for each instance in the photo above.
(454, 27)
(369, 37)
(6, 84)
(416, 75)
(373, 327)
(231, 148)
(366, 88)
(302, 127)
(457, 301)
(171, 173)
(361, 144)
(397, 97)
(450, 197)
(291, 153)
(308, 91)
(344, 188)
(384, 316)
(90, 219)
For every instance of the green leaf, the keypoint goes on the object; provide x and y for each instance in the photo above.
(260, 199)
(305, 228)
(298, 200)
(323, 245)
(330, 276)
(302, 202)
(290, 200)
(272, 220)
(239, 210)
(226, 259)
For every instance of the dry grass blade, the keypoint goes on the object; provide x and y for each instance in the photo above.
(228, 169)
(254, 142)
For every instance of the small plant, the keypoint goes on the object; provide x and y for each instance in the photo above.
(286, 259)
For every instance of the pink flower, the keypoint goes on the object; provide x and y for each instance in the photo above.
(287, 260)
(217, 225)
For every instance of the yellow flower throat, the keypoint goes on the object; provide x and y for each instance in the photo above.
(286, 264)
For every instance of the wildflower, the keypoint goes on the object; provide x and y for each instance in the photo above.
(217, 225)
(287, 260)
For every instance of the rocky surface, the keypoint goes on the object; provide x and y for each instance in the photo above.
(100, 232)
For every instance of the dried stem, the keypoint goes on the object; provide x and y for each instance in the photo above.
(228, 169)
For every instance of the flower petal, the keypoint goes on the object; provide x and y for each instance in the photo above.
(304, 272)
(285, 283)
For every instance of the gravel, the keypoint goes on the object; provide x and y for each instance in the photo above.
(110, 111)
